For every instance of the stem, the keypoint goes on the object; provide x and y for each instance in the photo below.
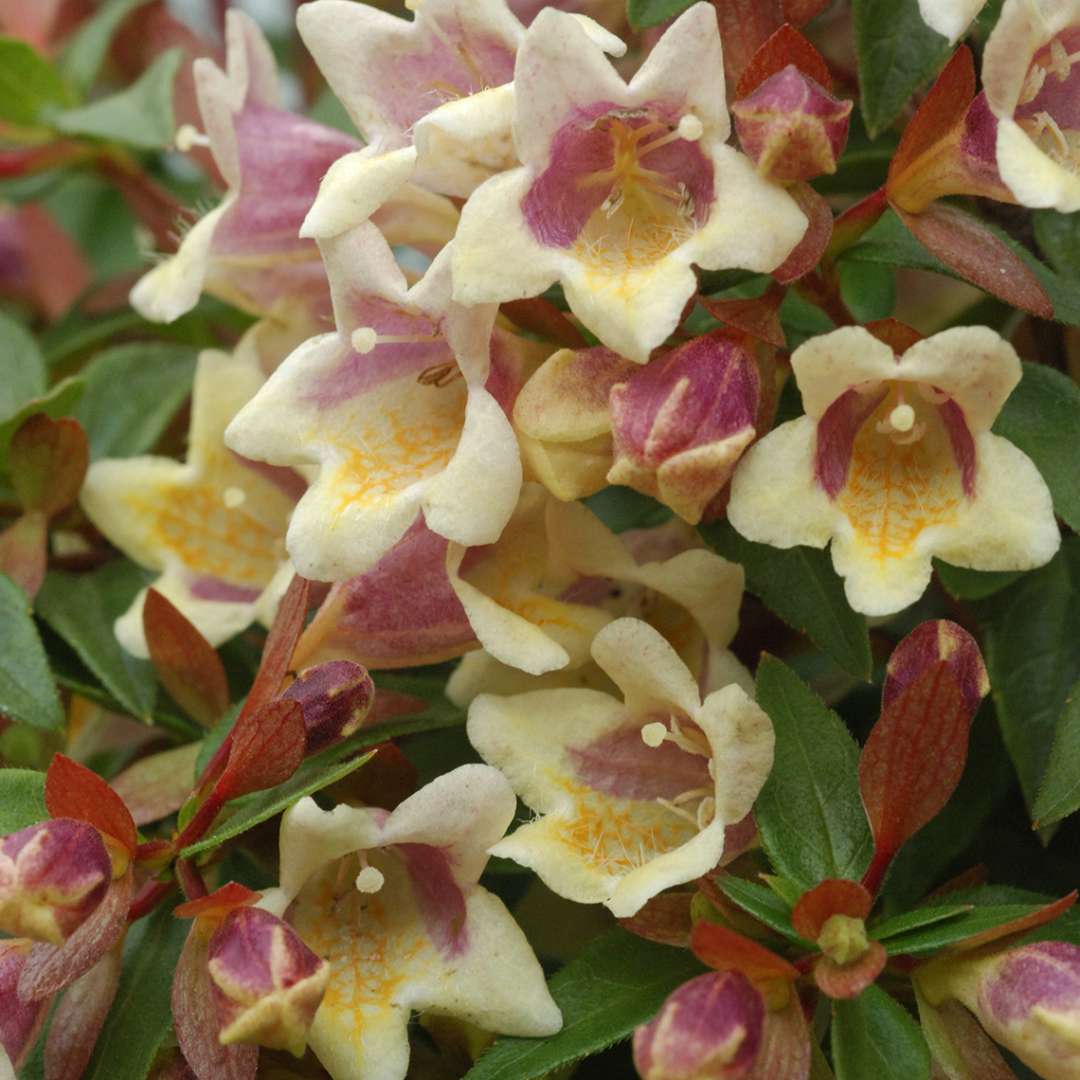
(190, 879)
(203, 819)
(148, 898)
(875, 873)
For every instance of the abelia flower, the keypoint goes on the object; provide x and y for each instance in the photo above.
(213, 526)
(1026, 998)
(394, 410)
(950, 18)
(710, 1028)
(895, 463)
(623, 186)
(336, 698)
(20, 1021)
(633, 795)
(1031, 72)
(391, 901)
(247, 250)
(52, 877)
(792, 127)
(557, 575)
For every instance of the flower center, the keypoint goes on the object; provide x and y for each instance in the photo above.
(1049, 105)
(696, 805)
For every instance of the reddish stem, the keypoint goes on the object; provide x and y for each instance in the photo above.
(187, 873)
(875, 873)
(148, 898)
(201, 821)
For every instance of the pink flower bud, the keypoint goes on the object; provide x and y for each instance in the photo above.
(19, 1020)
(792, 127)
(681, 423)
(266, 983)
(52, 877)
(711, 1028)
(336, 698)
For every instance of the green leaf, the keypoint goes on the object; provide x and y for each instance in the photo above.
(1030, 631)
(27, 691)
(621, 508)
(1059, 793)
(22, 369)
(763, 904)
(1059, 237)
(897, 54)
(22, 799)
(801, 587)
(935, 936)
(616, 983)
(29, 84)
(809, 813)
(967, 584)
(913, 920)
(314, 774)
(869, 293)
(59, 401)
(1042, 417)
(83, 54)
(875, 1036)
(132, 393)
(643, 13)
(140, 1016)
(140, 116)
(82, 608)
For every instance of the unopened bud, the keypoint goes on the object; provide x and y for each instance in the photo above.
(681, 423)
(843, 939)
(266, 983)
(19, 1020)
(336, 698)
(52, 877)
(711, 1028)
(792, 127)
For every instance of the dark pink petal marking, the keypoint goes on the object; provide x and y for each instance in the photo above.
(1044, 975)
(20, 1020)
(210, 588)
(836, 431)
(1058, 97)
(438, 895)
(963, 445)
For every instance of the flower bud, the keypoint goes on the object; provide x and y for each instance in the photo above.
(19, 1020)
(266, 983)
(52, 877)
(792, 127)
(336, 698)
(1028, 999)
(711, 1028)
(681, 423)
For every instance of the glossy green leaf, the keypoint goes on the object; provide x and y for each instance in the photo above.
(931, 938)
(1059, 237)
(141, 1015)
(914, 920)
(29, 85)
(868, 291)
(85, 51)
(22, 799)
(132, 393)
(1059, 793)
(22, 369)
(801, 587)
(59, 401)
(967, 584)
(809, 813)
(897, 54)
(642, 13)
(27, 691)
(621, 508)
(1030, 631)
(140, 116)
(82, 608)
(763, 904)
(1042, 418)
(875, 1036)
(616, 983)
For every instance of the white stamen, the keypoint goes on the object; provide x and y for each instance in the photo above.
(369, 880)
(188, 137)
(902, 417)
(691, 128)
(654, 734)
(364, 339)
(232, 497)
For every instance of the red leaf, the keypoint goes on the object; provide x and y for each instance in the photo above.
(74, 791)
(835, 896)
(280, 644)
(218, 903)
(810, 249)
(849, 980)
(1024, 923)
(786, 46)
(800, 12)
(665, 919)
(184, 660)
(760, 317)
(745, 25)
(48, 460)
(915, 754)
(967, 246)
(725, 950)
(941, 110)
(897, 335)
(157, 785)
(266, 749)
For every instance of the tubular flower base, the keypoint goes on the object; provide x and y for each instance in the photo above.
(634, 795)
(895, 463)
